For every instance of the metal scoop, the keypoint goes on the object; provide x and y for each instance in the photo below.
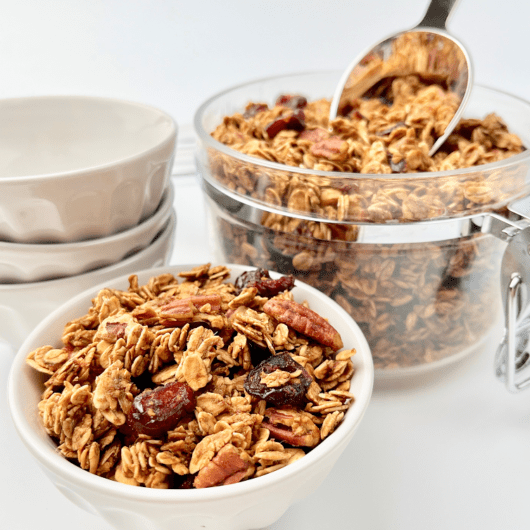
(427, 50)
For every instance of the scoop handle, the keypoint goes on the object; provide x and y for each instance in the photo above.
(437, 14)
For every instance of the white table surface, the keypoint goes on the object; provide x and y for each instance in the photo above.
(450, 452)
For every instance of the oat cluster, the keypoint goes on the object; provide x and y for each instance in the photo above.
(150, 386)
(416, 303)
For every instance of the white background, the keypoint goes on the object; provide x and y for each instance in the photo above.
(174, 54)
(449, 453)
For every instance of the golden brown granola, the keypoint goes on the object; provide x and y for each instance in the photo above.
(390, 134)
(416, 303)
(397, 129)
(201, 335)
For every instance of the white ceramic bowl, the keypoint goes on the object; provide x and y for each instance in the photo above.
(24, 305)
(252, 504)
(76, 167)
(25, 262)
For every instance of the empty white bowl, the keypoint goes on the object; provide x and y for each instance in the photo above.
(25, 262)
(252, 504)
(78, 167)
(24, 305)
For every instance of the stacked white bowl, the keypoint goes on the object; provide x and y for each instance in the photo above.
(85, 195)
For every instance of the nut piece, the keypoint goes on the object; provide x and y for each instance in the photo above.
(227, 467)
(183, 309)
(305, 321)
(154, 412)
(295, 428)
(331, 148)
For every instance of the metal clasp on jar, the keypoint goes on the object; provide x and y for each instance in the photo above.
(512, 359)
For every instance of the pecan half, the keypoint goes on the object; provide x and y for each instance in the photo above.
(304, 320)
(330, 148)
(227, 467)
(185, 308)
(292, 427)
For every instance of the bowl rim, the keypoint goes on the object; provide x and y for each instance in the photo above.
(60, 466)
(165, 231)
(162, 212)
(210, 142)
(168, 139)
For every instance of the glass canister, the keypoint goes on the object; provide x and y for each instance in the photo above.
(409, 256)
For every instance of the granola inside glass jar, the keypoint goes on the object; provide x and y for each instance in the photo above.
(404, 252)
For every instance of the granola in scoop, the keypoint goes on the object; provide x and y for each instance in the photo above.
(152, 386)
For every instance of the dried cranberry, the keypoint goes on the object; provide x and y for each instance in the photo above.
(154, 412)
(261, 280)
(292, 101)
(294, 121)
(292, 393)
(184, 482)
(254, 108)
(249, 278)
(257, 353)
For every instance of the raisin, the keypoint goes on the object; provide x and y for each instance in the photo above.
(292, 101)
(261, 280)
(294, 121)
(292, 393)
(154, 412)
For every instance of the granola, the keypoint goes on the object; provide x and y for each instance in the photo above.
(184, 416)
(387, 135)
(416, 303)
